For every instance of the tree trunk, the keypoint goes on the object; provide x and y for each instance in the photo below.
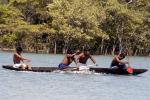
(120, 44)
(106, 50)
(1, 46)
(49, 47)
(55, 47)
(65, 46)
(102, 45)
(113, 50)
(135, 53)
(36, 45)
(119, 39)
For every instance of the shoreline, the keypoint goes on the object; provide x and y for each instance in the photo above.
(41, 52)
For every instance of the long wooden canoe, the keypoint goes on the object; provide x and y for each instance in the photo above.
(93, 69)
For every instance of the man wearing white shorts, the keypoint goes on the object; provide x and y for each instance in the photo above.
(20, 65)
(17, 59)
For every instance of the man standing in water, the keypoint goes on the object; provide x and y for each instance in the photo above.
(83, 57)
(17, 59)
(68, 59)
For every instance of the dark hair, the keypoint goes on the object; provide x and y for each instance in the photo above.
(19, 49)
(86, 48)
(69, 51)
(122, 55)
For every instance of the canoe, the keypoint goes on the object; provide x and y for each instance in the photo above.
(93, 69)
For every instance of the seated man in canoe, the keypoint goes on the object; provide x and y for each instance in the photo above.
(68, 59)
(83, 57)
(17, 59)
(118, 63)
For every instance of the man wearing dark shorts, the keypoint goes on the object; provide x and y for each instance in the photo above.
(118, 63)
(68, 59)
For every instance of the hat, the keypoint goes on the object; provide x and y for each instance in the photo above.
(19, 49)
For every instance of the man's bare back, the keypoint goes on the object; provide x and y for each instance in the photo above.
(17, 58)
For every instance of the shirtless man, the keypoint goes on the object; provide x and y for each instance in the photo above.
(83, 57)
(117, 61)
(17, 59)
(68, 59)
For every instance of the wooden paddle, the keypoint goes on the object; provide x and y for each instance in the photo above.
(129, 68)
(28, 64)
(77, 69)
(87, 67)
(93, 65)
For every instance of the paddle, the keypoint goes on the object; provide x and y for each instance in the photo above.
(92, 65)
(78, 69)
(86, 67)
(129, 68)
(27, 63)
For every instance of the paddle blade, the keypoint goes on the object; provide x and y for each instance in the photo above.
(130, 70)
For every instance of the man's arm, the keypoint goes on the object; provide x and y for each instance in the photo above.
(122, 62)
(92, 59)
(77, 60)
(70, 55)
(22, 58)
(78, 57)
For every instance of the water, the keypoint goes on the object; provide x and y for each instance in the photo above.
(64, 86)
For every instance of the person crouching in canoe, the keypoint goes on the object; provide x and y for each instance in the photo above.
(82, 59)
(68, 59)
(118, 63)
(17, 59)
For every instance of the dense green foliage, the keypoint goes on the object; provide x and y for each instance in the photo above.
(56, 25)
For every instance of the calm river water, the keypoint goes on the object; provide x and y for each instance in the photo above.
(64, 86)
